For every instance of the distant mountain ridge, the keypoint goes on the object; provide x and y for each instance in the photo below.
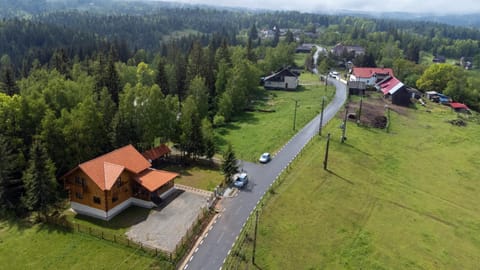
(466, 20)
(27, 8)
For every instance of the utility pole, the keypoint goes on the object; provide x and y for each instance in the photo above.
(388, 118)
(295, 115)
(255, 237)
(325, 161)
(321, 117)
(344, 127)
(360, 111)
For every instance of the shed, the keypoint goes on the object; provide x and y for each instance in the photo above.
(395, 89)
(460, 107)
(356, 87)
(155, 154)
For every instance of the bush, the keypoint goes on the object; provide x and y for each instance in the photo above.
(218, 120)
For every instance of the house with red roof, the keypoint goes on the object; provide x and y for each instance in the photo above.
(105, 186)
(370, 75)
(394, 89)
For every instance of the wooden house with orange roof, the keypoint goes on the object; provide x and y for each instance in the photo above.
(105, 186)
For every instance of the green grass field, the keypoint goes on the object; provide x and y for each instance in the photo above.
(407, 199)
(256, 132)
(45, 247)
(197, 176)
(118, 225)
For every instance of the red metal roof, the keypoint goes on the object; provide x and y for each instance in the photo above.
(367, 72)
(156, 152)
(390, 86)
(456, 105)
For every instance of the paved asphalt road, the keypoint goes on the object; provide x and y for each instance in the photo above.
(217, 243)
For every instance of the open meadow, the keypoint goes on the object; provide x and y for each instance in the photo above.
(47, 247)
(407, 199)
(268, 130)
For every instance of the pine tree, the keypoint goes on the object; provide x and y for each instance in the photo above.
(208, 138)
(253, 33)
(7, 161)
(161, 79)
(196, 63)
(191, 128)
(229, 164)
(39, 180)
(289, 37)
(7, 82)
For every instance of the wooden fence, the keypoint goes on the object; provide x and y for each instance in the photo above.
(182, 248)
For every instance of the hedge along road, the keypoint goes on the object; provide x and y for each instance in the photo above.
(221, 236)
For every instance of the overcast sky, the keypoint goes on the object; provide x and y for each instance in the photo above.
(413, 6)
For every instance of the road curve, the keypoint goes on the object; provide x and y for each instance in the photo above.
(220, 237)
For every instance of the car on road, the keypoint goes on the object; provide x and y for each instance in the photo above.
(265, 157)
(334, 74)
(240, 180)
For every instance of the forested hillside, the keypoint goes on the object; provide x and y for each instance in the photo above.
(78, 82)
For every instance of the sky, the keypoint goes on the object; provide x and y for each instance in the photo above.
(411, 6)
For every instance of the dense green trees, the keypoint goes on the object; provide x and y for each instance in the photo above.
(74, 85)
(39, 180)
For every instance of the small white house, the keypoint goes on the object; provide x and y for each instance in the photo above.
(370, 75)
(283, 79)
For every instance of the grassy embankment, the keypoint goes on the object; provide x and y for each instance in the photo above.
(407, 199)
(45, 247)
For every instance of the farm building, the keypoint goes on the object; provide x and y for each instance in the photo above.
(304, 48)
(156, 154)
(460, 107)
(356, 87)
(283, 79)
(394, 89)
(431, 94)
(105, 186)
(370, 75)
(341, 49)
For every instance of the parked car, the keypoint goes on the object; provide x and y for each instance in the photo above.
(264, 158)
(240, 180)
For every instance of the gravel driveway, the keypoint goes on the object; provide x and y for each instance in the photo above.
(165, 227)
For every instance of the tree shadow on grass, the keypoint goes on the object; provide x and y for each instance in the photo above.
(341, 177)
(357, 149)
(257, 266)
(19, 224)
(126, 219)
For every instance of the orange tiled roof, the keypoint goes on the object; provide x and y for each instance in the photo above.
(368, 72)
(104, 170)
(156, 152)
(154, 179)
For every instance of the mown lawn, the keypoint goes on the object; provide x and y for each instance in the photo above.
(202, 177)
(118, 225)
(407, 199)
(253, 133)
(45, 247)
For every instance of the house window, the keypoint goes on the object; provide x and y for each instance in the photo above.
(119, 182)
(114, 197)
(96, 200)
(78, 195)
(80, 181)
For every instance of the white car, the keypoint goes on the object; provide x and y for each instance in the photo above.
(264, 158)
(240, 180)
(334, 74)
